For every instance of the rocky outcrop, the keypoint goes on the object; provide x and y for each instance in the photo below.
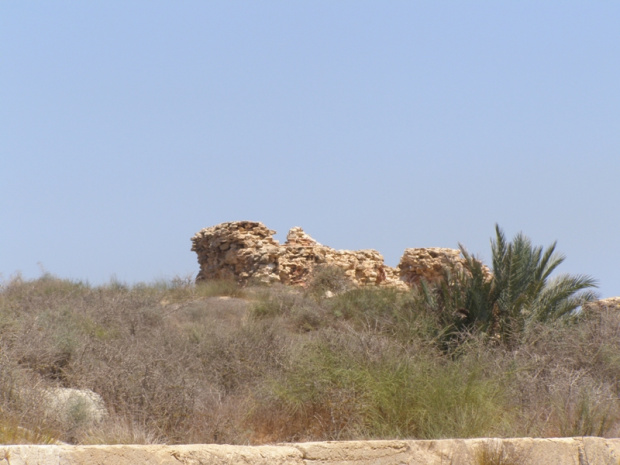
(246, 251)
(524, 451)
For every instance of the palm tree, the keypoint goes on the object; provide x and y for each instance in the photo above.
(520, 292)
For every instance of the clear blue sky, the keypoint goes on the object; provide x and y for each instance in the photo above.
(126, 127)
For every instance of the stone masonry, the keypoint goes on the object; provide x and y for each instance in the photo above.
(246, 251)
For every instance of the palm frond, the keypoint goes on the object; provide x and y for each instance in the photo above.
(562, 296)
(520, 290)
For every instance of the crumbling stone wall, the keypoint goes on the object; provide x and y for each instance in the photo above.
(239, 250)
(608, 304)
(301, 253)
(428, 264)
(246, 251)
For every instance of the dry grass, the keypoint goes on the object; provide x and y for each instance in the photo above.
(214, 363)
(497, 453)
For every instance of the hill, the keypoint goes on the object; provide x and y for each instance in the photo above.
(180, 362)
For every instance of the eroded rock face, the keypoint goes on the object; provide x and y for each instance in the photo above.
(246, 250)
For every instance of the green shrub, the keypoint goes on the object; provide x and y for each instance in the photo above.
(398, 314)
(344, 388)
(278, 301)
(298, 311)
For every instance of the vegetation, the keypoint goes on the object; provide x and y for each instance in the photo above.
(501, 354)
(516, 294)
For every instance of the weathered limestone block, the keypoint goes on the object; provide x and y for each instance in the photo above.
(204, 454)
(428, 264)
(525, 451)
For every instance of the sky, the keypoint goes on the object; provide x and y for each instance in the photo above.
(126, 127)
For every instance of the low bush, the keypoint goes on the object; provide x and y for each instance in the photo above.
(363, 385)
(328, 280)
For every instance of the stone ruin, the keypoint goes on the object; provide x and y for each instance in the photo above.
(608, 304)
(245, 251)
